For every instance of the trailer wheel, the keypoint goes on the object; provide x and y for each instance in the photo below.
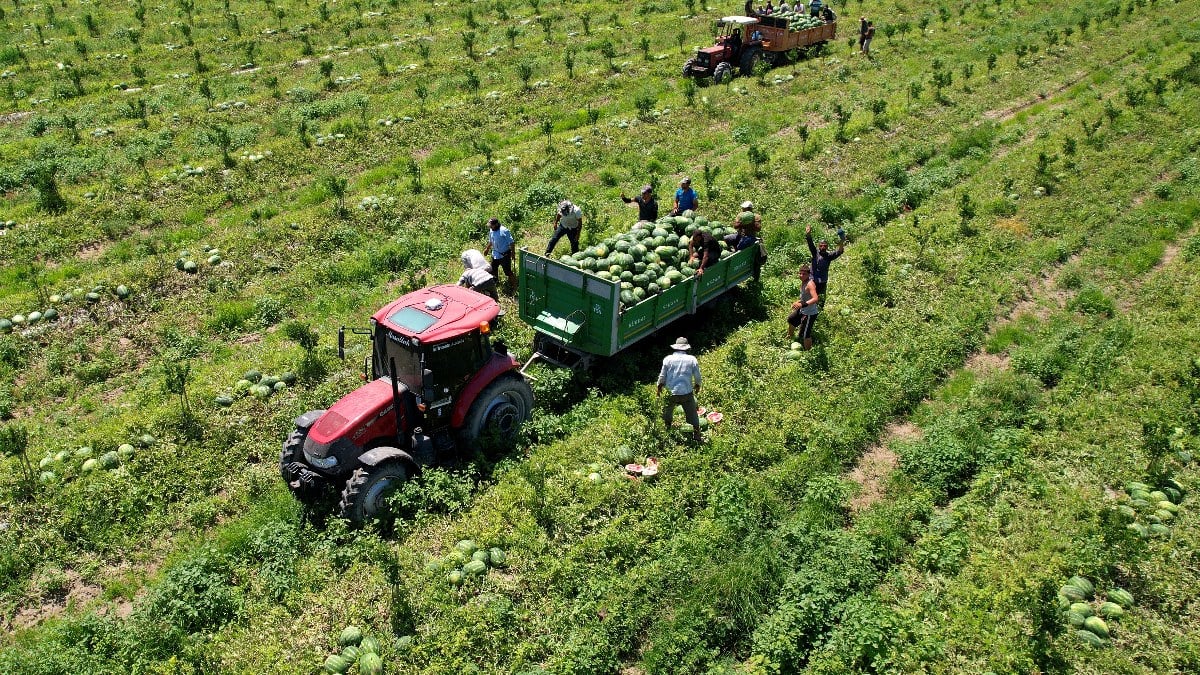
(498, 411)
(722, 73)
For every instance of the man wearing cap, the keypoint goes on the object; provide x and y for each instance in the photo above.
(647, 204)
(500, 245)
(476, 274)
(680, 374)
(569, 221)
(685, 197)
(821, 257)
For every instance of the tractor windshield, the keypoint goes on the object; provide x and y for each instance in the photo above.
(702, 59)
(390, 346)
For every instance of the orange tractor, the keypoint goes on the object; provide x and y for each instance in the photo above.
(743, 42)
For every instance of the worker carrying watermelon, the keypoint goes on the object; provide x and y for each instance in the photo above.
(747, 228)
(680, 374)
(567, 221)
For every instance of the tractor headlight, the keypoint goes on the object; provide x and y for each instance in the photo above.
(321, 462)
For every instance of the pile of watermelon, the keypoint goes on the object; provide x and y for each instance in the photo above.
(254, 383)
(1087, 614)
(356, 649)
(58, 466)
(468, 560)
(185, 263)
(1151, 511)
(41, 316)
(798, 21)
(650, 257)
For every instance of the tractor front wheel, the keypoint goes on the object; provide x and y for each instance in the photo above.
(366, 492)
(498, 411)
(722, 73)
(291, 459)
(687, 67)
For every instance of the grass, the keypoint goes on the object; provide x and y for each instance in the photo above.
(729, 560)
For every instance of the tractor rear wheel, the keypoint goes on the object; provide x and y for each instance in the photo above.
(722, 73)
(366, 492)
(498, 411)
(750, 61)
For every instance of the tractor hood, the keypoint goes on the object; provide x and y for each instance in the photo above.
(358, 417)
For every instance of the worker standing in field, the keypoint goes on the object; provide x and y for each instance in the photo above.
(862, 32)
(821, 257)
(867, 37)
(476, 275)
(680, 374)
(500, 245)
(685, 198)
(805, 310)
(647, 204)
(567, 221)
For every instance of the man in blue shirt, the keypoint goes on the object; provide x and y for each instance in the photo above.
(680, 374)
(500, 245)
(685, 197)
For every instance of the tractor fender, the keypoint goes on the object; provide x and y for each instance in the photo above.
(383, 454)
(498, 365)
(308, 419)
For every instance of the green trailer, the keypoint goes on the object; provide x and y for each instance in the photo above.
(578, 316)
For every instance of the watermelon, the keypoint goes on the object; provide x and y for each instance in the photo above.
(1167, 506)
(280, 386)
(1090, 638)
(109, 460)
(369, 645)
(794, 355)
(18, 319)
(351, 653)
(253, 375)
(1097, 626)
(1083, 608)
(289, 378)
(122, 291)
(337, 664)
(615, 270)
(125, 452)
(189, 266)
(455, 578)
(1122, 597)
(223, 400)
(475, 568)
(63, 455)
(370, 664)
(627, 298)
(351, 635)
(1127, 511)
(1139, 494)
(1134, 485)
(1158, 496)
(46, 461)
(480, 556)
(268, 381)
(458, 558)
(146, 440)
(1110, 610)
(1082, 584)
(497, 557)
(242, 386)
(1172, 494)
(84, 452)
(51, 314)
(6, 326)
(466, 546)
(47, 477)
(34, 317)
(89, 465)
(606, 275)
(1160, 530)
(1076, 619)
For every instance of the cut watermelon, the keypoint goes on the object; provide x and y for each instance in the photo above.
(715, 417)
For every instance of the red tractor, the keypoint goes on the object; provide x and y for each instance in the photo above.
(742, 42)
(436, 384)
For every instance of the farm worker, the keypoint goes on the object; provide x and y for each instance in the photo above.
(647, 204)
(821, 257)
(680, 374)
(770, 7)
(706, 248)
(750, 8)
(805, 310)
(867, 37)
(784, 6)
(500, 245)
(862, 32)
(746, 235)
(685, 197)
(814, 9)
(827, 14)
(568, 221)
(476, 274)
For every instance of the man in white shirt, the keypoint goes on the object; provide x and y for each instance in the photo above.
(569, 221)
(680, 374)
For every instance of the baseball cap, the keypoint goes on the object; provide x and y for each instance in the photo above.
(747, 204)
(647, 188)
(686, 181)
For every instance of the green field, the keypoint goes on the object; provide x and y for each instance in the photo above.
(1009, 342)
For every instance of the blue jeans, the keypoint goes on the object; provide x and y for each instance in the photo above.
(572, 236)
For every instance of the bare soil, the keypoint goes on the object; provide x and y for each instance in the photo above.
(877, 463)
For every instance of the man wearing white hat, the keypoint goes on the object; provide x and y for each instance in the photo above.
(680, 374)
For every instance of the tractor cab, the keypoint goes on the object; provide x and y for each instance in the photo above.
(436, 339)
